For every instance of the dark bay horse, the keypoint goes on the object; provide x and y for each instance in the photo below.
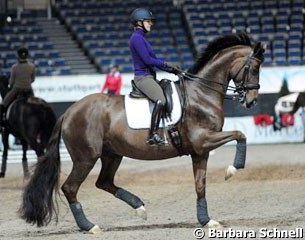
(31, 120)
(96, 128)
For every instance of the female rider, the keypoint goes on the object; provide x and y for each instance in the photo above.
(144, 61)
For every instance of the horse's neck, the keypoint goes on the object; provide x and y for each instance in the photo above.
(207, 97)
(213, 89)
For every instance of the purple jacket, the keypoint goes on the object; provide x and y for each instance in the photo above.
(143, 57)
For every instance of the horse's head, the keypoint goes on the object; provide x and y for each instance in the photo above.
(245, 74)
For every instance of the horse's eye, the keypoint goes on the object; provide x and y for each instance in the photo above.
(254, 71)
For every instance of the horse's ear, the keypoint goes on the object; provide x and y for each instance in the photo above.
(264, 46)
(260, 47)
(257, 47)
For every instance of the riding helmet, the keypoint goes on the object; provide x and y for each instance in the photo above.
(23, 53)
(141, 14)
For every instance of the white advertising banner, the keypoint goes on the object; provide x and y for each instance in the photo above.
(271, 79)
(265, 134)
(73, 88)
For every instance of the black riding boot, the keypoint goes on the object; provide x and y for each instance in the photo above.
(2, 118)
(153, 137)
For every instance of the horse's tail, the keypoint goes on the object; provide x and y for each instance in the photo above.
(50, 121)
(38, 204)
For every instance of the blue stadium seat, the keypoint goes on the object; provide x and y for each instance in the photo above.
(295, 60)
(281, 61)
(65, 71)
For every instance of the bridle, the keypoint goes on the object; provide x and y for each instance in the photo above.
(240, 89)
(245, 85)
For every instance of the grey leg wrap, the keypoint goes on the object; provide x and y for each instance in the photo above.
(129, 198)
(202, 211)
(240, 157)
(80, 218)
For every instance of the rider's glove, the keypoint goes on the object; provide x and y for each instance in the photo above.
(174, 68)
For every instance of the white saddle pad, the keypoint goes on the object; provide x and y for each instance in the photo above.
(138, 111)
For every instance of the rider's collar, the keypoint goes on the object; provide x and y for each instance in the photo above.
(140, 31)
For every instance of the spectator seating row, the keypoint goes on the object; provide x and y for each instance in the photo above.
(103, 31)
(280, 24)
(27, 32)
(99, 28)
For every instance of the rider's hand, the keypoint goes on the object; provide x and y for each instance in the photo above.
(174, 68)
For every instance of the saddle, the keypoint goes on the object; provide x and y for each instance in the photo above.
(167, 90)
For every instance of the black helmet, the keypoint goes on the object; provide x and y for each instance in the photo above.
(141, 14)
(23, 53)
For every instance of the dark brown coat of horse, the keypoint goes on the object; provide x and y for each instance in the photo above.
(96, 128)
(31, 121)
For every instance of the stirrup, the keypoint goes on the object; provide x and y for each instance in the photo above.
(155, 139)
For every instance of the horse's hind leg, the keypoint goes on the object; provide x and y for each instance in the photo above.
(24, 158)
(199, 169)
(110, 165)
(82, 165)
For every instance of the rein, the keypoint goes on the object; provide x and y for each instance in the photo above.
(199, 80)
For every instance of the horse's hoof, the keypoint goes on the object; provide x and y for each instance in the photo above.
(95, 230)
(214, 224)
(141, 212)
(229, 172)
(2, 175)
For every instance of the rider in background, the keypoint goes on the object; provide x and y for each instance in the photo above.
(144, 61)
(113, 81)
(22, 76)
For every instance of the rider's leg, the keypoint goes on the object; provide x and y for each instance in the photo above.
(150, 87)
(153, 137)
(10, 96)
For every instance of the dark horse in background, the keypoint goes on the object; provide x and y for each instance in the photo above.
(31, 120)
(96, 128)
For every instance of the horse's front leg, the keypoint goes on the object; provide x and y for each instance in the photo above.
(217, 139)
(4, 153)
(25, 165)
(199, 169)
